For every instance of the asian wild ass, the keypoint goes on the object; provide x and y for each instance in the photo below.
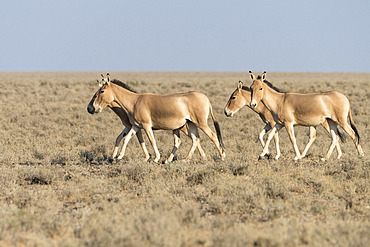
(127, 126)
(310, 109)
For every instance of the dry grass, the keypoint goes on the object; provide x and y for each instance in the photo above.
(58, 188)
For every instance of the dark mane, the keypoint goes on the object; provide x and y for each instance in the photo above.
(272, 86)
(124, 85)
(246, 88)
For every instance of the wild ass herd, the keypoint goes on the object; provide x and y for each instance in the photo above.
(189, 111)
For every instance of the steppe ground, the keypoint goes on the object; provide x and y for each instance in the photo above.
(58, 187)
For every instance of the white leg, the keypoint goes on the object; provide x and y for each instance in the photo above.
(263, 132)
(277, 127)
(339, 151)
(266, 147)
(310, 141)
(194, 135)
(132, 131)
(191, 127)
(261, 135)
(334, 125)
(290, 130)
(149, 132)
(142, 144)
(200, 150)
(276, 138)
(193, 130)
(177, 142)
(334, 138)
(118, 140)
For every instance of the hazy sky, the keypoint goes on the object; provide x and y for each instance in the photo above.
(189, 35)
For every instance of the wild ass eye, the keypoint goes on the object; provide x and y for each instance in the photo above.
(102, 91)
(261, 88)
(233, 97)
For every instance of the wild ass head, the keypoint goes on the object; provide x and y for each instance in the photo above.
(103, 97)
(236, 100)
(257, 88)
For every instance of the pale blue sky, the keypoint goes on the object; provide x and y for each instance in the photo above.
(191, 35)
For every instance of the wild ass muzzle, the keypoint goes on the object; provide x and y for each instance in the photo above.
(311, 109)
(154, 112)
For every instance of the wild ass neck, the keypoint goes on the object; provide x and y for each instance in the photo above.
(272, 99)
(124, 98)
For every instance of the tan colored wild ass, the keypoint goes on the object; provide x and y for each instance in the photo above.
(311, 109)
(242, 97)
(127, 126)
(153, 112)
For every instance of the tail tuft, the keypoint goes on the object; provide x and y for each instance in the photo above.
(356, 132)
(217, 127)
(218, 132)
(353, 126)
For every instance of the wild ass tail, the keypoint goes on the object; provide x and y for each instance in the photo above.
(353, 126)
(217, 127)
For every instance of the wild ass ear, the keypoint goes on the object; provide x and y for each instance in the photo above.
(252, 76)
(240, 86)
(105, 80)
(264, 75)
(100, 84)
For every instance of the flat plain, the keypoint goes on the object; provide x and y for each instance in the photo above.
(58, 188)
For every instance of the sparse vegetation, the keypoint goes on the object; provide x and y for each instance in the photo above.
(58, 188)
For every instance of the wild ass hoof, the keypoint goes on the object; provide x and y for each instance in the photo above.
(169, 159)
(223, 155)
(119, 157)
(110, 159)
(260, 158)
(166, 162)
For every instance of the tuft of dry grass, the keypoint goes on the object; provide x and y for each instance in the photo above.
(58, 188)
